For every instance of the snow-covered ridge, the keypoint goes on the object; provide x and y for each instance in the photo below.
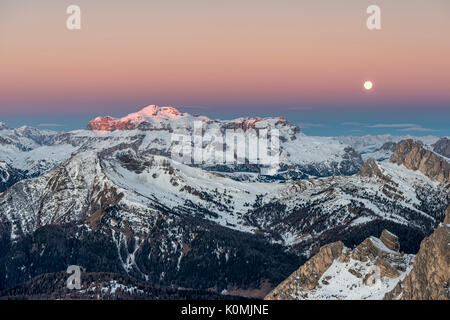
(151, 129)
(155, 117)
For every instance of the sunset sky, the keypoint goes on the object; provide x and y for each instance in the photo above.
(306, 60)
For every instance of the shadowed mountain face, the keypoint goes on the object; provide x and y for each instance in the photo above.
(112, 200)
(442, 147)
(9, 176)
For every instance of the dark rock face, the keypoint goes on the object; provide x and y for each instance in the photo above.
(390, 262)
(430, 276)
(442, 146)
(447, 216)
(414, 156)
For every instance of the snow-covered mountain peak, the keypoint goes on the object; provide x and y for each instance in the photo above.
(3, 126)
(155, 113)
(149, 117)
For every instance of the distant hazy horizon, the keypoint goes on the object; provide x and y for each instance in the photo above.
(344, 124)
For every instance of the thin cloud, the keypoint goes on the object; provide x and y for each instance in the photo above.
(417, 128)
(50, 125)
(393, 125)
(402, 127)
(353, 124)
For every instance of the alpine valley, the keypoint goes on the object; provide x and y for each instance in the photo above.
(112, 200)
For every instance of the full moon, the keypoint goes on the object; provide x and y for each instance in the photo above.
(368, 85)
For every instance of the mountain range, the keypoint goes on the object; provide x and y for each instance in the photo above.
(112, 199)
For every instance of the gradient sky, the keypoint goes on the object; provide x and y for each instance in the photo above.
(305, 60)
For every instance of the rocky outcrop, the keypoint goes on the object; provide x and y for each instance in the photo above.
(414, 156)
(430, 276)
(447, 216)
(370, 169)
(368, 271)
(390, 240)
(307, 277)
(379, 252)
(442, 147)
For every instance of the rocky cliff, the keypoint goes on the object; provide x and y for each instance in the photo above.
(366, 272)
(307, 277)
(430, 276)
(414, 156)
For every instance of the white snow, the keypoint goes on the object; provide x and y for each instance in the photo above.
(338, 283)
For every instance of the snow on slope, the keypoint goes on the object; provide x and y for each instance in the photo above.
(177, 186)
(345, 280)
(326, 205)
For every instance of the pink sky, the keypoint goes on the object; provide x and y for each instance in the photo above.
(223, 53)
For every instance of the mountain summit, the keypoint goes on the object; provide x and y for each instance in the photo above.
(151, 114)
